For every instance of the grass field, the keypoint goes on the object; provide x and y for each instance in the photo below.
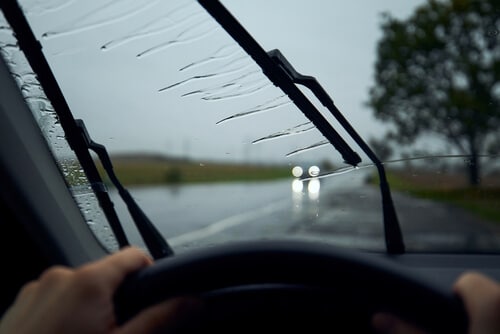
(157, 171)
(451, 188)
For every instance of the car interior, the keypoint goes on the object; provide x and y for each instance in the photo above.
(270, 284)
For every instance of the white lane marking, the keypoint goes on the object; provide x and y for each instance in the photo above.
(228, 222)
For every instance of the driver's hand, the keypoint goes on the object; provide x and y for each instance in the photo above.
(80, 300)
(481, 297)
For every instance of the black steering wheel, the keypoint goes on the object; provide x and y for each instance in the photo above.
(291, 285)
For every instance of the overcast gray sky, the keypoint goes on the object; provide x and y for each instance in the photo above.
(116, 60)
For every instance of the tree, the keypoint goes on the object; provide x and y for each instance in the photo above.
(438, 73)
(381, 148)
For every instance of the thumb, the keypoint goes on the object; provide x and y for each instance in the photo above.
(163, 316)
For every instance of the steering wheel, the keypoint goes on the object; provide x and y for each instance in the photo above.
(291, 285)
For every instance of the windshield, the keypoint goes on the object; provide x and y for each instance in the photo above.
(214, 152)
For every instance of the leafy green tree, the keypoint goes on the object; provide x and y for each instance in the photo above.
(438, 73)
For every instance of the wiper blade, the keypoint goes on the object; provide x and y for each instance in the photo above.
(282, 74)
(155, 243)
(79, 140)
(393, 235)
(279, 78)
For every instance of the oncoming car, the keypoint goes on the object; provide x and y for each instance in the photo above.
(180, 128)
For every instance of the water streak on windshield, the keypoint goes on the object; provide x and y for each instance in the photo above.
(172, 20)
(229, 87)
(192, 33)
(216, 74)
(224, 52)
(108, 13)
(308, 148)
(43, 7)
(304, 127)
(241, 90)
(272, 104)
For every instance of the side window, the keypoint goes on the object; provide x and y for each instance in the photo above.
(49, 124)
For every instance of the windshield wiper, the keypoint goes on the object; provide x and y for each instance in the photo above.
(282, 74)
(394, 237)
(155, 243)
(279, 78)
(79, 140)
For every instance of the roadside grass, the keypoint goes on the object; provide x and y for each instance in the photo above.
(155, 172)
(453, 189)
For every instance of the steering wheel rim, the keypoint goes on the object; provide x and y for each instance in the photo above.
(378, 284)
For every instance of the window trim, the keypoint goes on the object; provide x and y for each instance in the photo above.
(33, 186)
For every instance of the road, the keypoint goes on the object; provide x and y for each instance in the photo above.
(346, 211)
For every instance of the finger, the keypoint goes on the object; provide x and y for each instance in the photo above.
(389, 324)
(19, 310)
(28, 290)
(481, 297)
(118, 265)
(474, 288)
(165, 316)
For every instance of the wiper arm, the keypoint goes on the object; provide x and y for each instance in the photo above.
(392, 230)
(33, 52)
(155, 243)
(279, 78)
(283, 75)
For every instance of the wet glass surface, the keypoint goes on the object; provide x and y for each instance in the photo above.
(49, 124)
(177, 101)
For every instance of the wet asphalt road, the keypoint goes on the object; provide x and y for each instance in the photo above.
(345, 212)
